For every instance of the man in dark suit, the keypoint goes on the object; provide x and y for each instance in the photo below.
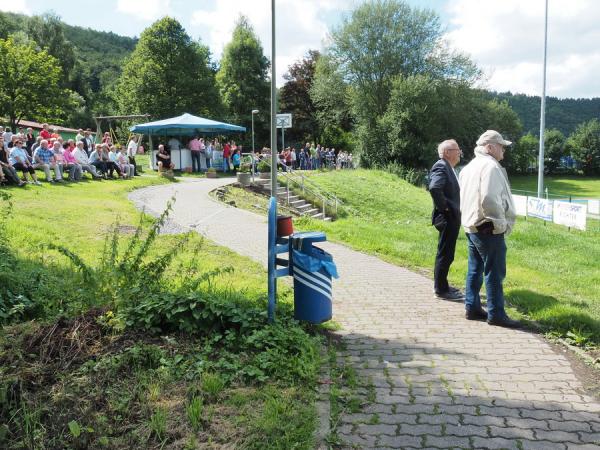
(445, 192)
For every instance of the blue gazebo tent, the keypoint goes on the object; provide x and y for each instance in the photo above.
(184, 125)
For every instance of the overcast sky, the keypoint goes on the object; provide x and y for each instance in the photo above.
(504, 37)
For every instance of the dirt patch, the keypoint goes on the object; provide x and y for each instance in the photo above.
(588, 375)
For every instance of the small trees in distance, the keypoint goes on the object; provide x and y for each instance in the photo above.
(584, 145)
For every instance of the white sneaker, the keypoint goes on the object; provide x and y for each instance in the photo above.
(37, 183)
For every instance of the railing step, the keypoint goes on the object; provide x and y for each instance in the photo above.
(327, 219)
(317, 216)
(312, 211)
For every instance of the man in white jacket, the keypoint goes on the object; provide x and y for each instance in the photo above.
(487, 215)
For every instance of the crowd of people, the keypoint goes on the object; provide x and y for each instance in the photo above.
(25, 153)
(314, 157)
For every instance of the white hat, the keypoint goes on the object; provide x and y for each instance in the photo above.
(492, 137)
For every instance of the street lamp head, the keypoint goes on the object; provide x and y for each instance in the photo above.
(255, 111)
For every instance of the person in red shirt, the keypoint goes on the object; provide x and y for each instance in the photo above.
(226, 156)
(45, 134)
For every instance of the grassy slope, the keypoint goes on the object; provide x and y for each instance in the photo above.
(553, 274)
(575, 186)
(123, 408)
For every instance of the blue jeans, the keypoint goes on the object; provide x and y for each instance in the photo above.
(487, 261)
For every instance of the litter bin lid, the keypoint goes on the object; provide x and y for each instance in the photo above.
(304, 241)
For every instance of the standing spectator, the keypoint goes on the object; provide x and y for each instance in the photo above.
(294, 158)
(236, 160)
(226, 156)
(19, 160)
(43, 158)
(7, 135)
(174, 144)
(132, 148)
(29, 141)
(445, 192)
(45, 134)
(106, 138)
(195, 148)
(55, 134)
(88, 143)
(488, 214)
(208, 149)
(79, 135)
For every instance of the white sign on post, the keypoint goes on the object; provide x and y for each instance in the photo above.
(540, 208)
(284, 120)
(570, 214)
(520, 202)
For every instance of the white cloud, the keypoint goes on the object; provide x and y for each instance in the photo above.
(145, 9)
(16, 6)
(505, 38)
(300, 26)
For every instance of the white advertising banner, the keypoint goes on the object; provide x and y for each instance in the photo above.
(594, 207)
(540, 208)
(520, 204)
(570, 214)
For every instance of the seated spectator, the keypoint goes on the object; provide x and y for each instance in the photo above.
(163, 159)
(43, 158)
(70, 163)
(84, 161)
(106, 138)
(8, 174)
(126, 168)
(97, 161)
(20, 161)
(110, 162)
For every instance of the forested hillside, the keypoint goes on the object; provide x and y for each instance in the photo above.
(562, 114)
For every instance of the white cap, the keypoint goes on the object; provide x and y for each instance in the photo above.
(492, 137)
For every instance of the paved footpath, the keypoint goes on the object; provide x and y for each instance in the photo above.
(439, 381)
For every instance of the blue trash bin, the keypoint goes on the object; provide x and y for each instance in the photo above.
(312, 269)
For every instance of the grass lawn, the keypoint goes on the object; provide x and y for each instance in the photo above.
(77, 371)
(559, 185)
(553, 274)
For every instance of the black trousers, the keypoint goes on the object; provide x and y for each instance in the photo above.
(445, 254)
(132, 161)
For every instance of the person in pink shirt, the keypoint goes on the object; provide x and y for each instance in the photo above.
(68, 161)
(195, 147)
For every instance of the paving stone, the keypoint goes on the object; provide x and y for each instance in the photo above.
(355, 439)
(542, 445)
(511, 433)
(400, 441)
(466, 430)
(569, 425)
(448, 441)
(376, 430)
(418, 430)
(483, 420)
(495, 443)
(557, 436)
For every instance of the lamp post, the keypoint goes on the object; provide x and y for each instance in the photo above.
(254, 111)
(540, 186)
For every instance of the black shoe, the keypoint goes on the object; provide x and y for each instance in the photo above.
(455, 290)
(450, 295)
(476, 314)
(505, 322)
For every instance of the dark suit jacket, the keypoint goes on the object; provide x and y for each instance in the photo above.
(445, 191)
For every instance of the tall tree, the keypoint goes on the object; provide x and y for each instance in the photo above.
(168, 74)
(379, 41)
(242, 79)
(48, 32)
(584, 146)
(294, 97)
(29, 84)
(524, 152)
(554, 149)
